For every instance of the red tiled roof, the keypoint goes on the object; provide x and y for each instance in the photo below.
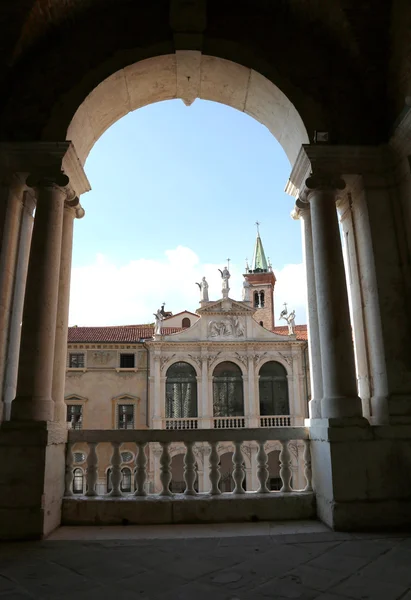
(300, 330)
(135, 333)
(117, 333)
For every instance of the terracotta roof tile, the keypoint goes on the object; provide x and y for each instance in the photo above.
(117, 333)
(300, 330)
(135, 333)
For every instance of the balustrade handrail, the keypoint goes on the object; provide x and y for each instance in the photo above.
(189, 435)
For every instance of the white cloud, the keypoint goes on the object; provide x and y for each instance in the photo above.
(103, 293)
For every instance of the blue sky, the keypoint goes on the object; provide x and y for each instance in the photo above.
(175, 191)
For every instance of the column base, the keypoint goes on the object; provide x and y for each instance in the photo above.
(32, 466)
(362, 475)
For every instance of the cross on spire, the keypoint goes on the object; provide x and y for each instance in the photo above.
(258, 227)
(228, 263)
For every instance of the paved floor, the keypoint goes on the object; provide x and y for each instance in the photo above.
(231, 562)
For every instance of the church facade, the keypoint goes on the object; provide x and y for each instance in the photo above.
(223, 366)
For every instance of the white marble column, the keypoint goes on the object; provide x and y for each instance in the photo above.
(253, 408)
(314, 347)
(13, 350)
(355, 298)
(205, 422)
(340, 397)
(11, 196)
(72, 209)
(157, 420)
(34, 386)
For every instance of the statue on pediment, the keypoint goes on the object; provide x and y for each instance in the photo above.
(203, 287)
(246, 291)
(158, 321)
(290, 318)
(225, 276)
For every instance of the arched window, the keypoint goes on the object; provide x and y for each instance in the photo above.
(186, 323)
(262, 299)
(256, 300)
(125, 484)
(228, 397)
(273, 388)
(78, 481)
(181, 391)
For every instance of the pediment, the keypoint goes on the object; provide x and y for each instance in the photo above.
(226, 306)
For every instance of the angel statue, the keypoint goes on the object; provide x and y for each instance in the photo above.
(225, 275)
(290, 318)
(291, 323)
(203, 287)
(159, 318)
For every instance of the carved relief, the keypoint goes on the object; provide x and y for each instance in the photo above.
(242, 358)
(102, 358)
(165, 359)
(212, 358)
(288, 359)
(227, 327)
(195, 359)
(259, 357)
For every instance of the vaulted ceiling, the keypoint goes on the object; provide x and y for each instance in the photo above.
(351, 58)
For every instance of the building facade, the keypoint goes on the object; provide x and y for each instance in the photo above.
(217, 368)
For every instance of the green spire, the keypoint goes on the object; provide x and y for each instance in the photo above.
(259, 260)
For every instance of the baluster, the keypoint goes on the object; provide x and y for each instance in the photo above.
(285, 470)
(165, 473)
(307, 466)
(238, 473)
(189, 469)
(141, 470)
(262, 470)
(91, 474)
(69, 476)
(115, 475)
(215, 475)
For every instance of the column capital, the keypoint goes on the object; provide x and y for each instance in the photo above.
(326, 159)
(34, 157)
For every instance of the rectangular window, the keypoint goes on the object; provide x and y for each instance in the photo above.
(75, 415)
(76, 360)
(125, 416)
(127, 361)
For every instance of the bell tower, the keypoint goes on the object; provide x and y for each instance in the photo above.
(261, 280)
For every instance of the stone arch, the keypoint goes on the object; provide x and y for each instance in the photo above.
(160, 78)
(185, 359)
(275, 358)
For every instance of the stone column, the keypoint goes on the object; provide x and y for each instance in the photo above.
(71, 210)
(205, 422)
(157, 420)
(12, 363)
(314, 347)
(34, 387)
(355, 297)
(11, 194)
(253, 408)
(340, 397)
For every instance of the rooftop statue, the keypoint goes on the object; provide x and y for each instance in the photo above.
(159, 316)
(290, 318)
(203, 287)
(225, 275)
